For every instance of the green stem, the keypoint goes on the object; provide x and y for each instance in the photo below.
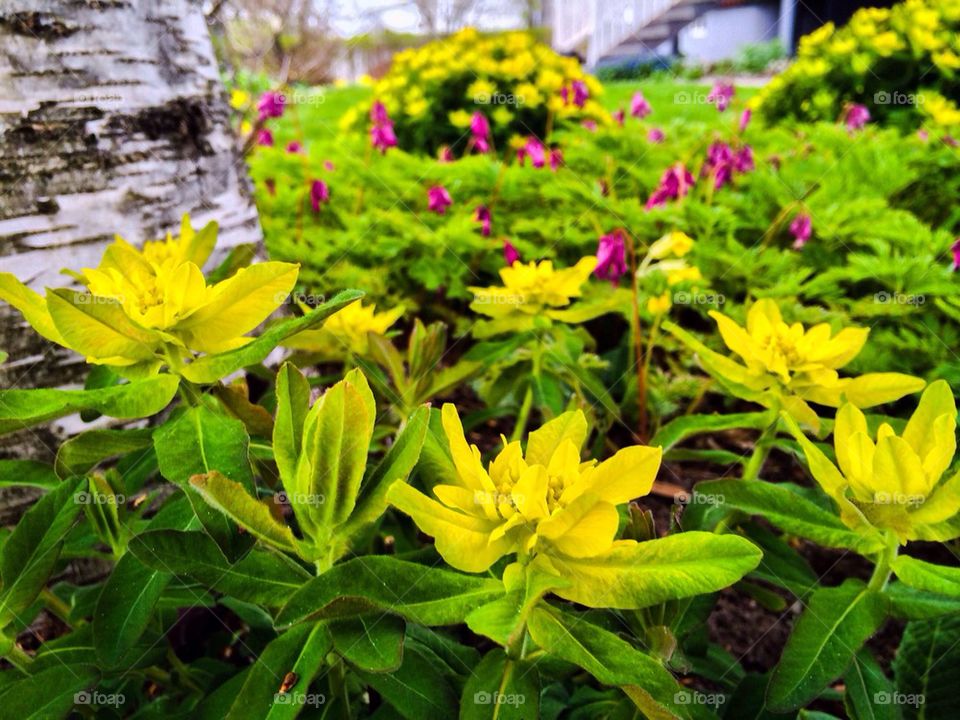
(760, 450)
(882, 571)
(58, 607)
(524, 415)
(19, 658)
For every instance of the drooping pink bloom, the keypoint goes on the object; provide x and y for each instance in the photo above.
(949, 141)
(534, 150)
(381, 131)
(745, 119)
(577, 91)
(856, 117)
(619, 117)
(655, 135)
(955, 249)
(743, 160)
(590, 125)
(480, 129)
(801, 228)
(445, 154)
(639, 105)
(270, 105)
(510, 254)
(378, 113)
(675, 183)
(556, 158)
(611, 257)
(438, 199)
(295, 147)
(264, 137)
(319, 194)
(719, 164)
(482, 216)
(720, 95)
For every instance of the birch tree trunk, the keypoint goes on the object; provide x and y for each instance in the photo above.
(112, 120)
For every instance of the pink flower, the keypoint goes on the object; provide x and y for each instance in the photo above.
(720, 95)
(856, 117)
(381, 131)
(438, 199)
(510, 254)
(482, 216)
(327, 165)
(579, 91)
(745, 119)
(481, 132)
(619, 117)
(264, 137)
(295, 147)
(801, 228)
(923, 135)
(445, 154)
(611, 257)
(955, 249)
(639, 106)
(378, 113)
(556, 158)
(719, 164)
(675, 183)
(743, 160)
(535, 151)
(319, 193)
(270, 105)
(590, 125)
(655, 135)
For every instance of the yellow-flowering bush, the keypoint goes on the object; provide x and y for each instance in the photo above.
(517, 83)
(901, 63)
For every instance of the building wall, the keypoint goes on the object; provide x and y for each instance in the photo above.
(719, 34)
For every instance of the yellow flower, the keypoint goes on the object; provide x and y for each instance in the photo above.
(239, 99)
(481, 90)
(786, 366)
(659, 305)
(673, 243)
(152, 307)
(460, 118)
(531, 288)
(543, 501)
(893, 482)
(683, 274)
(346, 331)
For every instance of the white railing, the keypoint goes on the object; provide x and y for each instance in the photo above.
(600, 25)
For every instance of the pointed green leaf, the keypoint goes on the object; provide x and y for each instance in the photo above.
(84, 451)
(501, 689)
(927, 669)
(370, 642)
(928, 576)
(293, 403)
(867, 689)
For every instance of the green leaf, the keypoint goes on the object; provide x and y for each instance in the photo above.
(686, 426)
(927, 669)
(48, 694)
(912, 604)
(867, 687)
(370, 642)
(21, 409)
(255, 517)
(421, 594)
(636, 576)
(211, 368)
(84, 451)
(293, 403)
(397, 464)
(834, 625)
(610, 660)
(789, 511)
(27, 473)
(30, 553)
(260, 576)
(501, 689)
(301, 650)
(417, 690)
(928, 576)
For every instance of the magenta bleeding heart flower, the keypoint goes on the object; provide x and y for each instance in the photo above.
(379, 114)
(510, 254)
(319, 194)
(745, 119)
(382, 136)
(619, 116)
(611, 257)
(955, 249)
(655, 135)
(801, 228)
(675, 183)
(556, 158)
(720, 95)
(723, 162)
(295, 147)
(743, 160)
(534, 150)
(856, 117)
(438, 199)
(445, 154)
(639, 105)
(270, 105)
(264, 137)
(480, 129)
(577, 91)
(482, 216)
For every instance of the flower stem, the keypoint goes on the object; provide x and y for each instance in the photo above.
(760, 450)
(882, 571)
(639, 361)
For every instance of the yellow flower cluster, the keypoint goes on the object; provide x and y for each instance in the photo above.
(506, 76)
(832, 63)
